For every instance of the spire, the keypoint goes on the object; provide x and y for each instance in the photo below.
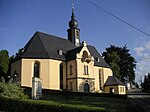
(74, 31)
(73, 22)
(73, 16)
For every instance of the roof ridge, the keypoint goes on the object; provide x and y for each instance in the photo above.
(43, 44)
(52, 35)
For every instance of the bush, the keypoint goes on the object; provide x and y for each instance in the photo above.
(17, 105)
(12, 90)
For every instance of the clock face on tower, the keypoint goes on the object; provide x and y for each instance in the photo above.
(77, 40)
(77, 34)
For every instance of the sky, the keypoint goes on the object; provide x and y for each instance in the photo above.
(20, 19)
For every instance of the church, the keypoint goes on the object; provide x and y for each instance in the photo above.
(65, 64)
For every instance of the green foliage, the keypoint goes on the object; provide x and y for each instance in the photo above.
(12, 90)
(20, 51)
(146, 84)
(4, 61)
(125, 65)
(136, 85)
(114, 57)
(16, 105)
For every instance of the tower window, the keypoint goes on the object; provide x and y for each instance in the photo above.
(77, 34)
(71, 72)
(86, 70)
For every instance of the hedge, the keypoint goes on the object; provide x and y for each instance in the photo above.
(18, 105)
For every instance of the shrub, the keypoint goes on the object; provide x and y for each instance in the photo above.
(17, 105)
(12, 90)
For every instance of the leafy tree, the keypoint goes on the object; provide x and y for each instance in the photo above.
(114, 57)
(4, 61)
(20, 51)
(126, 63)
(136, 85)
(146, 84)
(9, 68)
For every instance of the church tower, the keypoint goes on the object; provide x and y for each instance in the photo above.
(74, 31)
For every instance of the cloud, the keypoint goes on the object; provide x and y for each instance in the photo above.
(147, 45)
(139, 50)
(142, 56)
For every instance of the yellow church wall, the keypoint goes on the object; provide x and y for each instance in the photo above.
(55, 74)
(28, 71)
(73, 87)
(49, 72)
(96, 75)
(107, 72)
(74, 69)
(81, 83)
(16, 66)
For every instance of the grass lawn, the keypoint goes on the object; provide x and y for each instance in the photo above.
(104, 103)
(60, 103)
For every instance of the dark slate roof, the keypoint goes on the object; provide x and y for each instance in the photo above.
(96, 54)
(45, 46)
(112, 80)
(72, 53)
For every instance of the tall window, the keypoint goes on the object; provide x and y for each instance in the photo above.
(61, 76)
(71, 72)
(86, 71)
(85, 55)
(100, 74)
(37, 69)
(86, 88)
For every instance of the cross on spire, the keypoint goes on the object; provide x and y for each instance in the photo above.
(73, 16)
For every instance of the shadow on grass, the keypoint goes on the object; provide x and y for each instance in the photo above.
(110, 104)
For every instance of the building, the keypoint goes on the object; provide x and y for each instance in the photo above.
(62, 64)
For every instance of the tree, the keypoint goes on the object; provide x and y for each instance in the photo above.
(9, 68)
(4, 61)
(126, 64)
(20, 51)
(136, 85)
(114, 57)
(146, 84)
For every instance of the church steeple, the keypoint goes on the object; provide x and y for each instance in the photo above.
(73, 31)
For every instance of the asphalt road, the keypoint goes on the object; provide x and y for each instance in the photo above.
(141, 98)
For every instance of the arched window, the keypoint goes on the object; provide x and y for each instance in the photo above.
(86, 88)
(37, 69)
(100, 79)
(61, 76)
(71, 72)
(85, 55)
(86, 70)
